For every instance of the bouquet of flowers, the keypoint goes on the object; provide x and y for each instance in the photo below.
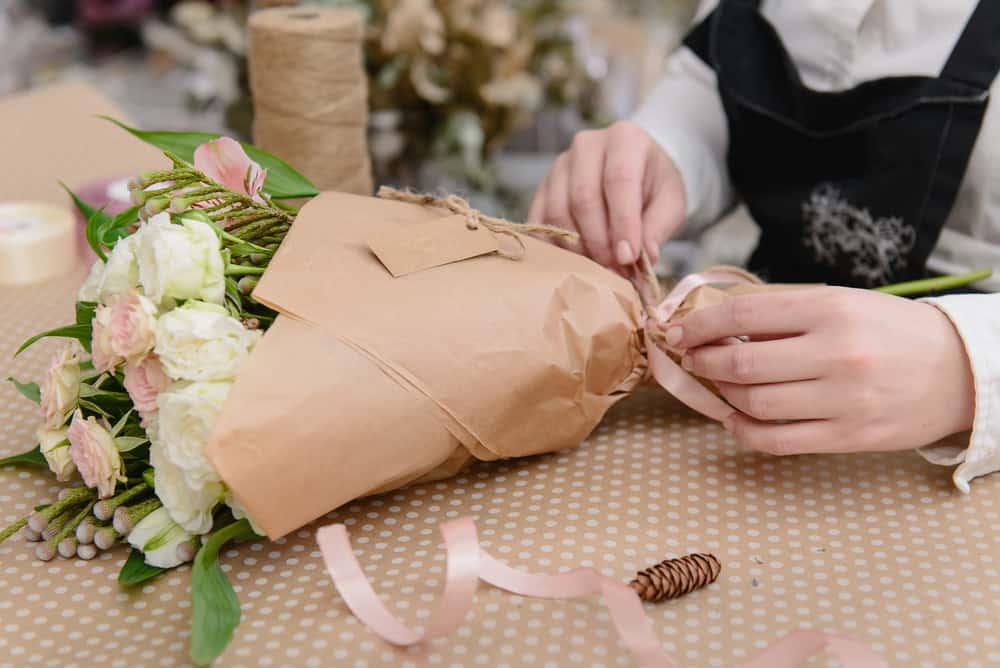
(163, 322)
(230, 351)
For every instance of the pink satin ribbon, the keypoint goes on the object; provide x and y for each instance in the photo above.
(670, 375)
(468, 563)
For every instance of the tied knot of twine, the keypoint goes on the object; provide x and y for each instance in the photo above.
(474, 219)
(644, 278)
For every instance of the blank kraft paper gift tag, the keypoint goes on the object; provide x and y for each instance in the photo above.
(406, 249)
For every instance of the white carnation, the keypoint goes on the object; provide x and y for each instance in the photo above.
(188, 413)
(240, 512)
(121, 273)
(200, 341)
(90, 291)
(180, 261)
(190, 507)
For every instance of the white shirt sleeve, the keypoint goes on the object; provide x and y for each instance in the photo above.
(684, 115)
(977, 319)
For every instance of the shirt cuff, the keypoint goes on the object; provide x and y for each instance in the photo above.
(977, 453)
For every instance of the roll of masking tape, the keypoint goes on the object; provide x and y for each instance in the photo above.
(37, 242)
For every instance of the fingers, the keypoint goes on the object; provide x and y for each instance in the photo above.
(775, 361)
(666, 202)
(555, 207)
(586, 195)
(787, 312)
(793, 438)
(628, 149)
(802, 400)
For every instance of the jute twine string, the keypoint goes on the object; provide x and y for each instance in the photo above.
(647, 284)
(310, 93)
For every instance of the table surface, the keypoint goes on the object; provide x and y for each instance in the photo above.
(880, 547)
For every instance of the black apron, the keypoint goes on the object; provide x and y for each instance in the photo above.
(848, 188)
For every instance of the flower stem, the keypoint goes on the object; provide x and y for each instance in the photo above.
(39, 519)
(240, 270)
(105, 510)
(13, 529)
(127, 517)
(923, 286)
(47, 550)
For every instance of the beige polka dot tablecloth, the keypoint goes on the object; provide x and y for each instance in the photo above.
(879, 547)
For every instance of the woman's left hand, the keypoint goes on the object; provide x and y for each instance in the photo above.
(831, 369)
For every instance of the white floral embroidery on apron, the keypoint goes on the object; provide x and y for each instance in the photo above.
(836, 230)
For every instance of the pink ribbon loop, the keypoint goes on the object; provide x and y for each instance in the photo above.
(670, 375)
(468, 563)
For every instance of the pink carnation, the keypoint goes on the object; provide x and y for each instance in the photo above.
(144, 380)
(132, 321)
(92, 448)
(101, 351)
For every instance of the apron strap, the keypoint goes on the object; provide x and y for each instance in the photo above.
(975, 59)
(699, 39)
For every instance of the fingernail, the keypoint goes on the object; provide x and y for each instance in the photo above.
(674, 335)
(624, 253)
(686, 362)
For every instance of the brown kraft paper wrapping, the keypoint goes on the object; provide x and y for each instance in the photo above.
(367, 382)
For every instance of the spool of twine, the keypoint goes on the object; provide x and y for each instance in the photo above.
(310, 93)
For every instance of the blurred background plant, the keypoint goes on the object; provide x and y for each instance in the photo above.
(475, 96)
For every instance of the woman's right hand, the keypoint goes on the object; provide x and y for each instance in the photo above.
(617, 189)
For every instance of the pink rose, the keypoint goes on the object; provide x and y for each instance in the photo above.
(92, 448)
(101, 352)
(132, 321)
(60, 388)
(144, 380)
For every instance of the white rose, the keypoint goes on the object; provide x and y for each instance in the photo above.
(200, 341)
(180, 261)
(90, 291)
(60, 389)
(54, 445)
(188, 412)
(157, 536)
(190, 507)
(121, 273)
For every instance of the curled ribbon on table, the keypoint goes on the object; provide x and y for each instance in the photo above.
(468, 563)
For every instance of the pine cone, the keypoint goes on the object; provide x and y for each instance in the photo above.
(675, 577)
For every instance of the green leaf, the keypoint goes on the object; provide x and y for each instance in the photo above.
(94, 408)
(283, 180)
(79, 332)
(85, 312)
(135, 570)
(29, 390)
(215, 608)
(96, 219)
(31, 458)
(129, 443)
(117, 429)
(118, 227)
(87, 391)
